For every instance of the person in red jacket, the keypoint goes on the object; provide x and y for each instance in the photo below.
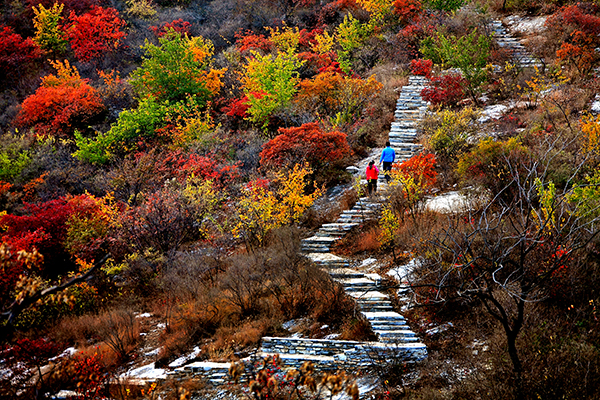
(372, 176)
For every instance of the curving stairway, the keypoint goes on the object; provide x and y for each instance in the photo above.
(395, 338)
(519, 53)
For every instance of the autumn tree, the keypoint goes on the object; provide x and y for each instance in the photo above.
(574, 32)
(469, 53)
(265, 206)
(152, 123)
(323, 151)
(178, 67)
(63, 103)
(351, 35)
(448, 134)
(341, 98)
(94, 33)
(269, 83)
(445, 91)
(407, 10)
(168, 218)
(509, 252)
(178, 25)
(15, 51)
(61, 229)
(489, 164)
(48, 30)
(414, 179)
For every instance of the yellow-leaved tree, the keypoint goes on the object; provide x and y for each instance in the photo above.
(590, 127)
(48, 33)
(266, 205)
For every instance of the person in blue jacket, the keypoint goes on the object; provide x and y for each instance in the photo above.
(388, 155)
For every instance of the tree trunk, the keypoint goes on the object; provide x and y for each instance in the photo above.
(511, 339)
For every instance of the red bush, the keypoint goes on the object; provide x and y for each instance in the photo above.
(181, 165)
(577, 32)
(407, 9)
(61, 105)
(421, 168)
(421, 67)
(445, 90)
(307, 143)
(410, 38)
(574, 17)
(237, 108)
(95, 33)
(178, 25)
(15, 51)
(250, 41)
(44, 226)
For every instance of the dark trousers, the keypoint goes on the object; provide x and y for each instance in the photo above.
(387, 167)
(371, 186)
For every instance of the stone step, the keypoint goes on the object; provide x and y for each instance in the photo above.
(399, 333)
(319, 240)
(315, 249)
(375, 307)
(345, 273)
(361, 285)
(357, 211)
(327, 259)
(396, 326)
(396, 143)
(383, 316)
(335, 225)
(320, 363)
(404, 130)
(336, 234)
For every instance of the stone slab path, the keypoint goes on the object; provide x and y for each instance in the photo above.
(395, 338)
(507, 41)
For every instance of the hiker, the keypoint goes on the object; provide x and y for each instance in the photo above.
(388, 155)
(372, 176)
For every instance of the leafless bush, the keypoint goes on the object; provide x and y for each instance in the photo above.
(119, 329)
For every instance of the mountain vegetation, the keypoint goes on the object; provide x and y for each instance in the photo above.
(166, 157)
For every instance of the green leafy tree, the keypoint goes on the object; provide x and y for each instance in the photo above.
(270, 83)
(469, 53)
(133, 127)
(178, 67)
(14, 156)
(351, 35)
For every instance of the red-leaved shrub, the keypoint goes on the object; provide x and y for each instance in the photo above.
(95, 33)
(15, 51)
(179, 25)
(445, 90)
(307, 143)
(421, 67)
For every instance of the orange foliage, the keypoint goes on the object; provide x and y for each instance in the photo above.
(334, 93)
(250, 41)
(63, 103)
(30, 187)
(580, 52)
(577, 31)
(421, 168)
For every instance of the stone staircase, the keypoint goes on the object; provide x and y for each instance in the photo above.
(509, 42)
(395, 340)
(410, 108)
